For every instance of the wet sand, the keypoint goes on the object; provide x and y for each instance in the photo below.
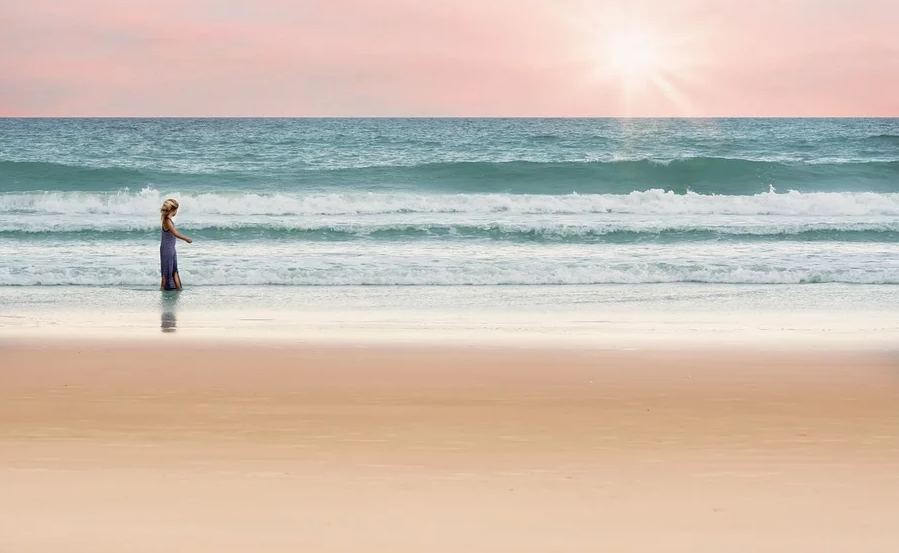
(110, 447)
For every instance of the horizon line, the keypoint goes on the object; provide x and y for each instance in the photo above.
(424, 117)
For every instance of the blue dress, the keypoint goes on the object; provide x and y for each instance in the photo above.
(168, 259)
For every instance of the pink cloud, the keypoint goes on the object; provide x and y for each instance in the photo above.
(467, 57)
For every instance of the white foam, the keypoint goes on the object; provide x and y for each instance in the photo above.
(556, 276)
(659, 202)
(364, 213)
(559, 226)
(328, 264)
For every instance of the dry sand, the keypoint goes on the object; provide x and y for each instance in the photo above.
(115, 447)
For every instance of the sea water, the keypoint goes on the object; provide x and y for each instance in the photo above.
(564, 220)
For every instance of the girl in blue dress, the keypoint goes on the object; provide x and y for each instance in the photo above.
(168, 259)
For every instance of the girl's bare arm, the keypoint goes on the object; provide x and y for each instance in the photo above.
(176, 233)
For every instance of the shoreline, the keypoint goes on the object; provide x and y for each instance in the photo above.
(594, 317)
(827, 331)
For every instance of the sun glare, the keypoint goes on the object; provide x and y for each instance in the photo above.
(650, 59)
(642, 61)
(633, 56)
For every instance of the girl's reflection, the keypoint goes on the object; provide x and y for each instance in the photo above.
(169, 304)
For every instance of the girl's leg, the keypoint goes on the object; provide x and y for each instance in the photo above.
(162, 283)
(176, 278)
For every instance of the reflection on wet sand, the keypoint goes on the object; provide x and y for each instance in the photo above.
(168, 311)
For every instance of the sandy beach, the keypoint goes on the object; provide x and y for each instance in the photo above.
(449, 276)
(109, 447)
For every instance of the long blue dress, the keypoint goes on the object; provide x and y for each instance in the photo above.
(168, 259)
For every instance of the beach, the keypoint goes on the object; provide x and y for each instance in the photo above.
(450, 335)
(210, 446)
(449, 277)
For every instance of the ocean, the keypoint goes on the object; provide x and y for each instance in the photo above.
(551, 217)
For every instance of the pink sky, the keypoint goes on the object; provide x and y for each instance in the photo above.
(445, 58)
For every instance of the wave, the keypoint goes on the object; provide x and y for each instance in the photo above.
(24, 176)
(698, 174)
(620, 229)
(544, 137)
(144, 205)
(884, 138)
(622, 232)
(524, 272)
(39, 175)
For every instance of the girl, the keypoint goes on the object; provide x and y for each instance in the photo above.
(168, 259)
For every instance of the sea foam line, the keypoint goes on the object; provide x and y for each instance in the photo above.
(655, 201)
(522, 273)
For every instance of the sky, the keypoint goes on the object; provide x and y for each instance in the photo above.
(493, 58)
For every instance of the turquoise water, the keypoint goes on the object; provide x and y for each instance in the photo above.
(534, 203)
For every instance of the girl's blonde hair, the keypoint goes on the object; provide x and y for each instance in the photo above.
(167, 208)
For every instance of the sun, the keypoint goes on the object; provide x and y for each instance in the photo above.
(633, 55)
(651, 60)
(642, 61)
